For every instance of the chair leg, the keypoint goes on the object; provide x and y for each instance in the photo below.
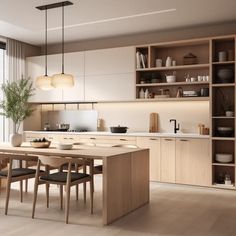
(91, 195)
(8, 189)
(61, 196)
(26, 185)
(67, 203)
(47, 194)
(85, 189)
(77, 192)
(35, 197)
(21, 191)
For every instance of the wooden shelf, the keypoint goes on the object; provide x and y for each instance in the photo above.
(181, 67)
(223, 62)
(223, 138)
(174, 99)
(172, 84)
(222, 117)
(224, 85)
(222, 164)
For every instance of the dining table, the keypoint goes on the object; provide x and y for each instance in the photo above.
(125, 182)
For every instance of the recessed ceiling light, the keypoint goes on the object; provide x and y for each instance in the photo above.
(117, 18)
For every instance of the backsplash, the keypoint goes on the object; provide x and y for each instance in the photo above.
(134, 115)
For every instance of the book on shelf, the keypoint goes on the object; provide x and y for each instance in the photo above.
(141, 60)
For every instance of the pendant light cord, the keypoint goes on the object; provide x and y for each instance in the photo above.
(46, 42)
(62, 45)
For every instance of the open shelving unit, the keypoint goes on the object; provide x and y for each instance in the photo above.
(222, 98)
(153, 78)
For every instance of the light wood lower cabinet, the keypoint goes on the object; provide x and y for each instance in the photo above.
(193, 162)
(154, 145)
(168, 160)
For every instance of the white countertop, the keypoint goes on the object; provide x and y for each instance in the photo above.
(142, 134)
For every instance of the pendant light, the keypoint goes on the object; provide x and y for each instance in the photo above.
(62, 80)
(44, 82)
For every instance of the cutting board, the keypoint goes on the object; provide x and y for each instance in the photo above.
(153, 120)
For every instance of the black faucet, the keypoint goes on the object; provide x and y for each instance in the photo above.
(175, 127)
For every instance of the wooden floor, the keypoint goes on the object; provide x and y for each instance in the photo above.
(173, 210)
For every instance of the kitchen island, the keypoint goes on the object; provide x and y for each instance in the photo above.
(125, 174)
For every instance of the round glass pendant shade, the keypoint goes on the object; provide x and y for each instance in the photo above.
(44, 82)
(62, 81)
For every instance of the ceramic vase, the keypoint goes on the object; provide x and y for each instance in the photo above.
(16, 139)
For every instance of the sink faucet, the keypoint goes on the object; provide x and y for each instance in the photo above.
(175, 127)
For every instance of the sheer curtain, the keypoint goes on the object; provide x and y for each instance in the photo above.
(15, 69)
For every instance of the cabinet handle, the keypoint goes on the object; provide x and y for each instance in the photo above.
(71, 138)
(184, 140)
(65, 138)
(92, 138)
(168, 139)
(153, 139)
(123, 139)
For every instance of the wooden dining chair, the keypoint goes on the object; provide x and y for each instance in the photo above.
(15, 174)
(62, 178)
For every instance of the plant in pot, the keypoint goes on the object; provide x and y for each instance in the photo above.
(15, 105)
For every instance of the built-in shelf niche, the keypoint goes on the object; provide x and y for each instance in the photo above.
(223, 146)
(219, 172)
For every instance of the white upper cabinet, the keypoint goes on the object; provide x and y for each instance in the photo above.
(116, 87)
(110, 61)
(35, 67)
(110, 74)
(100, 75)
(74, 64)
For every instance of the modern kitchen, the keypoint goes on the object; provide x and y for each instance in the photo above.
(124, 111)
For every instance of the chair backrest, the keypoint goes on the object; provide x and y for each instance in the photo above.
(126, 145)
(53, 161)
(56, 161)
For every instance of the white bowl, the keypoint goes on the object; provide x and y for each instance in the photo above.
(224, 157)
(225, 128)
(64, 146)
(170, 78)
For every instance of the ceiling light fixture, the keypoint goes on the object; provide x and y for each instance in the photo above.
(62, 80)
(58, 80)
(44, 82)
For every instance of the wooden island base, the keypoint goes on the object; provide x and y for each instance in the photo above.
(125, 174)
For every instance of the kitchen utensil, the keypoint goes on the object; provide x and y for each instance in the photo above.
(179, 92)
(63, 127)
(46, 127)
(222, 56)
(45, 144)
(225, 131)
(224, 157)
(168, 61)
(229, 113)
(204, 92)
(193, 79)
(225, 75)
(189, 59)
(158, 63)
(153, 126)
(64, 146)
(118, 129)
(170, 78)
(141, 93)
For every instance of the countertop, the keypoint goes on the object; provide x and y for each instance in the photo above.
(140, 134)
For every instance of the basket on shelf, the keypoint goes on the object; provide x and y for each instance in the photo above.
(189, 59)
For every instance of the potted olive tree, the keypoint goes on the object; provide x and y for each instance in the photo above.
(15, 105)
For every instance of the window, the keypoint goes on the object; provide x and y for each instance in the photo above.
(2, 80)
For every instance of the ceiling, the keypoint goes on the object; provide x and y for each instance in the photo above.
(91, 19)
